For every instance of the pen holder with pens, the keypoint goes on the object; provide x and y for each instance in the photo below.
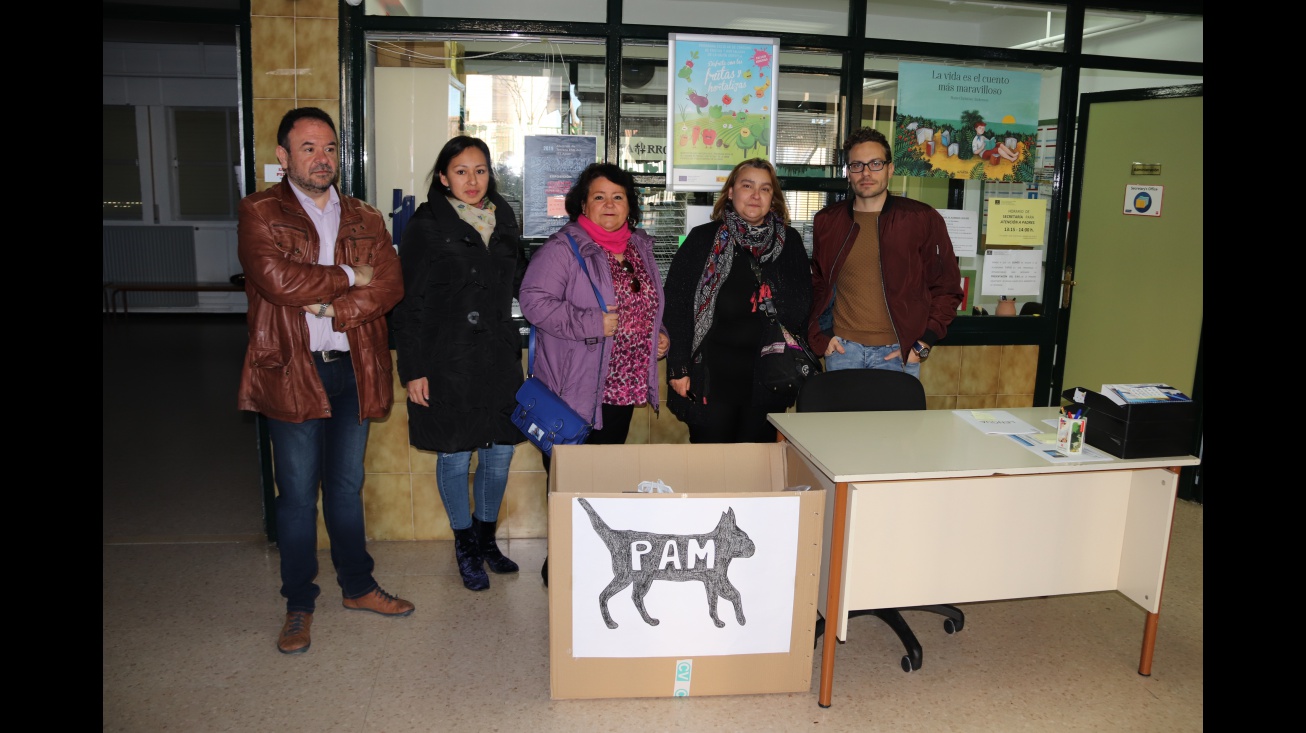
(1070, 434)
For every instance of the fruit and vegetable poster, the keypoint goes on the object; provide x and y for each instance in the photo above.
(966, 122)
(720, 107)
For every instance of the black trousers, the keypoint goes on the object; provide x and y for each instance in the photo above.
(726, 423)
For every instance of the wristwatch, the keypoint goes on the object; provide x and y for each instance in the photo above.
(921, 350)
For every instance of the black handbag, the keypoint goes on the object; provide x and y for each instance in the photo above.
(542, 416)
(785, 361)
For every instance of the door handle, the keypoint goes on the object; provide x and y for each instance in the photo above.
(1067, 283)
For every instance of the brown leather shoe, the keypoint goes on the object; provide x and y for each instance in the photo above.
(378, 601)
(294, 633)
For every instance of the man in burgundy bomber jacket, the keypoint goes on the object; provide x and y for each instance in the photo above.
(883, 270)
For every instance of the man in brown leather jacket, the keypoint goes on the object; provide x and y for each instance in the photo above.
(885, 282)
(320, 275)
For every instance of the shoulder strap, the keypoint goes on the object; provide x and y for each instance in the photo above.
(575, 249)
(530, 354)
(603, 307)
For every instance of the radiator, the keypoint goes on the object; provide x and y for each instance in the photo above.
(151, 254)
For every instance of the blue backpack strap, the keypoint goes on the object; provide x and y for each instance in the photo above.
(530, 355)
(603, 308)
(575, 249)
(530, 351)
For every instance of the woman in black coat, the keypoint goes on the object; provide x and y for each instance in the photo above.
(712, 315)
(459, 353)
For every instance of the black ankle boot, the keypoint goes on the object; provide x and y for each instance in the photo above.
(468, 552)
(494, 559)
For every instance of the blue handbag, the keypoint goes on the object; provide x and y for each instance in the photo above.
(542, 416)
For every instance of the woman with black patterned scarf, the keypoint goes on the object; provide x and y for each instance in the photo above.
(715, 314)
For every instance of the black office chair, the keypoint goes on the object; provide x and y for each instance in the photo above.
(850, 390)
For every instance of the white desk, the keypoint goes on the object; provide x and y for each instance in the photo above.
(984, 518)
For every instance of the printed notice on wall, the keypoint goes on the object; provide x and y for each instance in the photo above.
(1012, 272)
(1143, 200)
(963, 230)
(552, 164)
(1016, 221)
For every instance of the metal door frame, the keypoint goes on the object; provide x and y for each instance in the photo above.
(1189, 478)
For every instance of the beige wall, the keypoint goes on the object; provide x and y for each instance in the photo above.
(294, 50)
(295, 57)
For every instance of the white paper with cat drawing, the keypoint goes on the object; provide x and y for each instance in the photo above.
(680, 551)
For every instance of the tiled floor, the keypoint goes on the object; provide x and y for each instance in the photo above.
(191, 610)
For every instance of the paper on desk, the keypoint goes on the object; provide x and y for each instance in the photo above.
(996, 422)
(1039, 444)
(1123, 394)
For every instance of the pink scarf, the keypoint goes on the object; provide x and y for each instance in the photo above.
(614, 242)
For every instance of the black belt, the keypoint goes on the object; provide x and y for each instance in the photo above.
(331, 355)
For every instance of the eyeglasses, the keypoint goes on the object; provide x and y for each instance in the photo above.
(856, 166)
(630, 270)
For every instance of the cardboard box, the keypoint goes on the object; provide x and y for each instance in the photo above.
(1144, 430)
(730, 533)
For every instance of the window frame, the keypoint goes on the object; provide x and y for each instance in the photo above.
(853, 47)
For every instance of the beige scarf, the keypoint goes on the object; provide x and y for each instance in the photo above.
(482, 220)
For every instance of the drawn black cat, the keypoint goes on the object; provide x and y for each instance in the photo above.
(639, 558)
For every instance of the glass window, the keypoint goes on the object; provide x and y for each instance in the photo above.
(506, 88)
(643, 127)
(823, 17)
(206, 145)
(122, 170)
(593, 11)
(968, 23)
(879, 101)
(808, 116)
(664, 215)
(1110, 80)
(880, 89)
(803, 206)
(1143, 35)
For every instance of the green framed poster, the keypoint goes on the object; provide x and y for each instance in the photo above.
(966, 122)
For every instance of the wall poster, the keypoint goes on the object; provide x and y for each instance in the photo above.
(721, 103)
(1012, 272)
(1017, 221)
(553, 163)
(966, 122)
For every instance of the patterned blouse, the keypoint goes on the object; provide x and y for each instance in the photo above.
(632, 345)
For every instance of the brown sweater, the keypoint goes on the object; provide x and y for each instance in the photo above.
(861, 313)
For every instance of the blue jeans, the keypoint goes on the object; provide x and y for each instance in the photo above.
(491, 481)
(857, 356)
(326, 451)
